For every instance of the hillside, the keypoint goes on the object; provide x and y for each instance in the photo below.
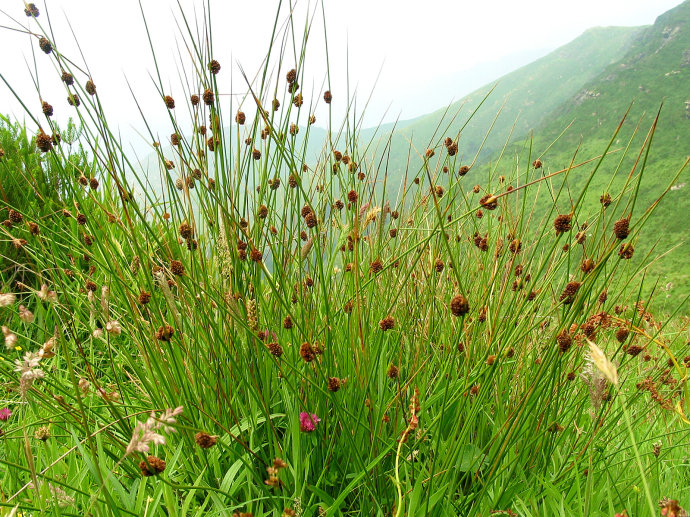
(530, 94)
(654, 69)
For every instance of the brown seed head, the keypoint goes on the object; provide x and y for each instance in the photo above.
(90, 87)
(333, 384)
(177, 268)
(169, 102)
(564, 340)
(307, 352)
(151, 466)
(240, 118)
(621, 228)
(387, 323)
(392, 372)
(205, 440)
(459, 306)
(45, 45)
(214, 67)
(562, 223)
(208, 96)
(327, 97)
(165, 332)
(568, 294)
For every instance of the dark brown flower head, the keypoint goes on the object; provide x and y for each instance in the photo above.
(176, 268)
(275, 349)
(276, 104)
(298, 100)
(211, 144)
(621, 228)
(194, 99)
(463, 170)
(93, 184)
(287, 323)
(452, 149)
(164, 333)
(144, 297)
(537, 164)
(387, 323)
(67, 78)
(352, 196)
(376, 266)
(489, 202)
(81, 219)
(44, 142)
(291, 76)
(438, 265)
(429, 153)
(515, 246)
(47, 109)
(214, 67)
(205, 440)
(605, 199)
(459, 306)
(256, 154)
(274, 184)
(83, 180)
(587, 265)
(568, 294)
(208, 96)
(88, 239)
(564, 340)
(256, 255)
(327, 97)
(306, 352)
(294, 129)
(15, 217)
(310, 219)
(31, 10)
(333, 384)
(91, 286)
(90, 87)
(169, 102)
(633, 350)
(152, 466)
(240, 118)
(45, 45)
(439, 191)
(392, 372)
(562, 223)
(186, 231)
(622, 335)
(626, 251)
(34, 229)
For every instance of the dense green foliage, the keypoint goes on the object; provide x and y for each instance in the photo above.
(269, 334)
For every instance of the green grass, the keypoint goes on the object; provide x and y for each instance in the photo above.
(262, 289)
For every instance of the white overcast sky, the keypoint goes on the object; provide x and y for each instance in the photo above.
(423, 49)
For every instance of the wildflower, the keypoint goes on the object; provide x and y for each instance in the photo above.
(114, 328)
(7, 299)
(145, 432)
(307, 422)
(10, 338)
(5, 414)
(42, 433)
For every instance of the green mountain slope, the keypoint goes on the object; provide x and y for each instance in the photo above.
(655, 69)
(530, 94)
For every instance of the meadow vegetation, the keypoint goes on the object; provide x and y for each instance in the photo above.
(271, 335)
